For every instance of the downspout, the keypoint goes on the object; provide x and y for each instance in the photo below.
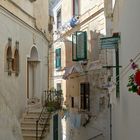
(50, 45)
(48, 67)
(110, 117)
(110, 107)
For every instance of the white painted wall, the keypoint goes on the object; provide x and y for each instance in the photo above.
(13, 89)
(126, 120)
(26, 5)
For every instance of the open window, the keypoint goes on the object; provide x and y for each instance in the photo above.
(79, 46)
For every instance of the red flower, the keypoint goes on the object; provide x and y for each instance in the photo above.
(137, 77)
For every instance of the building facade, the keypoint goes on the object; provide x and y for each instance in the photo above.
(78, 26)
(24, 64)
(125, 110)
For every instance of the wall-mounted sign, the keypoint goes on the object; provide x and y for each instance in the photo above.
(109, 42)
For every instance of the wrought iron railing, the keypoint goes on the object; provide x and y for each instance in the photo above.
(52, 102)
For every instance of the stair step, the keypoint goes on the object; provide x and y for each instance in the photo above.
(33, 117)
(29, 138)
(30, 132)
(31, 128)
(31, 124)
(32, 135)
(32, 121)
(28, 123)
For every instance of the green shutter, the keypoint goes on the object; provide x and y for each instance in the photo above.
(58, 58)
(79, 46)
(74, 47)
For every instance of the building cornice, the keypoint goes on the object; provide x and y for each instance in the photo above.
(21, 9)
(9, 14)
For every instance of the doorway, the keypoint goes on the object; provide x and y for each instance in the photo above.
(32, 76)
(55, 127)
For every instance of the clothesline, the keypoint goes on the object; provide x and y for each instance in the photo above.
(126, 69)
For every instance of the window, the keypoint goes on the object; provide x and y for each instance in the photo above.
(9, 59)
(84, 93)
(58, 58)
(72, 102)
(101, 103)
(58, 18)
(79, 46)
(16, 62)
(12, 60)
(58, 86)
(75, 7)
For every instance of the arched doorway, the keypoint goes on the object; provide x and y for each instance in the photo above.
(32, 66)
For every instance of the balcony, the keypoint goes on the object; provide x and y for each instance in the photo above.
(53, 100)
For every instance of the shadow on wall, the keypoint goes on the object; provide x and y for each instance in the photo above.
(9, 125)
(93, 54)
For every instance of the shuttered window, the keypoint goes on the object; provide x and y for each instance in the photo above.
(84, 93)
(79, 46)
(58, 58)
(59, 18)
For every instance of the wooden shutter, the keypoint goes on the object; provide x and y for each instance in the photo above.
(79, 46)
(58, 58)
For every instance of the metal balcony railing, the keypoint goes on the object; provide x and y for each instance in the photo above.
(53, 100)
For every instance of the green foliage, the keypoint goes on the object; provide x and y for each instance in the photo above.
(132, 86)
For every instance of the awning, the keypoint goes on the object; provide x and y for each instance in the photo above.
(77, 68)
(73, 69)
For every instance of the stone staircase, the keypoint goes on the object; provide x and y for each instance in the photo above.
(28, 124)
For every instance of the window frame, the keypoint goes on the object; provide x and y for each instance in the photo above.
(85, 96)
(58, 58)
(76, 47)
(59, 18)
(74, 8)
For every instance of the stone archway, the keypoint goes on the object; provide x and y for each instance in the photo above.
(32, 66)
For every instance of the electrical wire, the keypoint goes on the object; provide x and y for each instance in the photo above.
(126, 69)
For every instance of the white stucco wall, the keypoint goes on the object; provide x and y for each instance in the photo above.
(26, 5)
(13, 89)
(126, 120)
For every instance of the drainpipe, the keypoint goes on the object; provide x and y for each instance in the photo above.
(110, 118)
(49, 47)
(110, 106)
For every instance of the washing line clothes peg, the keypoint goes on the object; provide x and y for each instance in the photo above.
(74, 21)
